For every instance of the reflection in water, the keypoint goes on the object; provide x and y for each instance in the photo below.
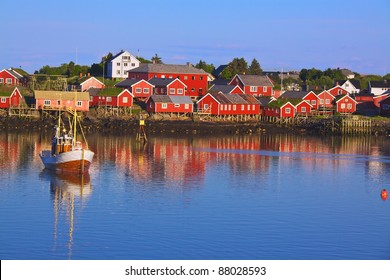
(64, 190)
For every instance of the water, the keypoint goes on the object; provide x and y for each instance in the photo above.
(236, 197)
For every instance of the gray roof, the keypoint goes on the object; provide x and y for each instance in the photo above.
(181, 99)
(236, 99)
(222, 88)
(250, 99)
(355, 83)
(161, 81)
(61, 95)
(294, 94)
(126, 83)
(379, 84)
(167, 68)
(255, 80)
(160, 98)
(265, 100)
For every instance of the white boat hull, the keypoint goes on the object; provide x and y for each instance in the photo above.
(76, 161)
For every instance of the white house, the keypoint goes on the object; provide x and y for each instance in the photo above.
(352, 86)
(378, 87)
(119, 64)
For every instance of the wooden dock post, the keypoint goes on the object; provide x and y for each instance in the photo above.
(141, 135)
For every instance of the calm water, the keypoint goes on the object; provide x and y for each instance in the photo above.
(252, 197)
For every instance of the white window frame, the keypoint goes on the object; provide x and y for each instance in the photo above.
(164, 105)
(187, 106)
(234, 107)
(287, 110)
(109, 99)
(3, 99)
(79, 104)
(253, 89)
(47, 102)
(342, 106)
(125, 99)
(171, 91)
(1, 80)
(327, 101)
(146, 90)
(349, 106)
(313, 102)
(8, 81)
(179, 91)
(138, 90)
(177, 105)
(303, 109)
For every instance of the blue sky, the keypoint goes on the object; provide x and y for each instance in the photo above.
(280, 33)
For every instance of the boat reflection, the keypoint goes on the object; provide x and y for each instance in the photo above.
(69, 193)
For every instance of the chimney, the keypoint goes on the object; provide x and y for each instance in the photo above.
(89, 74)
(81, 74)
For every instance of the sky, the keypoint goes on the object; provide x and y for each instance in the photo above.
(279, 34)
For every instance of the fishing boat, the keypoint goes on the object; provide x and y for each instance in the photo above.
(66, 153)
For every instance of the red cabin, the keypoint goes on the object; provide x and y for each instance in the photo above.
(169, 104)
(303, 108)
(10, 97)
(217, 103)
(337, 90)
(55, 100)
(115, 97)
(140, 88)
(168, 86)
(345, 104)
(256, 85)
(92, 82)
(281, 108)
(10, 77)
(195, 79)
(326, 99)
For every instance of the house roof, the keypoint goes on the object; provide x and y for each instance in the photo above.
(265, 100)
(220, 82)
(236, 99)
(249, 98)
(355, 83)
(162, 82)
(160, 98)
(379, 84)
(167, 68)
(93, 78)
(222, 88)
(181, 99)
(218, 71)
(342, 96)
(255, 80)
(126, 83)
(294, 94)
(61, 95)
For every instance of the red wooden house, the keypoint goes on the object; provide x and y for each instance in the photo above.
(140, 88)
(10, 97)
(92, 82)
(168, 86)
(310, 97)
(326, 99)
(256, 85)
(10, 77)
(196, 80)
(115, 97)
(281, 108)
(303, 108)
(169, 104)
(55, 100)
(217, 103)
(345, 104)
(337, 90)
(378, 98)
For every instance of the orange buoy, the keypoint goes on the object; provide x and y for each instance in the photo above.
(384, 194)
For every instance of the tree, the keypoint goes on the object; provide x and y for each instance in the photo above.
(156, 59)
(255, 68)
(209, 68)
(143, 60)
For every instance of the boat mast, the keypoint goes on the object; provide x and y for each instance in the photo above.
(74, 119)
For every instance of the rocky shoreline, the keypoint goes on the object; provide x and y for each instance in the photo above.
(188, 127)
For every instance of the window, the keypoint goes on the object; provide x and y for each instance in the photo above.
(249, 107)
(253, 89)
(201, 78)
(327, 101)
(46, 102)
(1, 80)
(265, 89)
(172, 91)
(193, 90)
(321, 101)
(146, 90)
(118, 72)
(234, 107)
(164, 105)
(138, 90)
(133, 65)
(205, 106)
(118, 64)
(253, 107)
(349, 106)
(193, 78)
(125, 64)
(179, 91)
(3, 100)
(8, 81)
(242, 107)
(230, 107)
(226, 107)
(162, 76)
(342, 106)
(313, 102)
(185, 77)
(187, 106)
(303, 109)
(125, 99)
(109, 99)
(177, 105)
(288, 111)
(79, 103)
